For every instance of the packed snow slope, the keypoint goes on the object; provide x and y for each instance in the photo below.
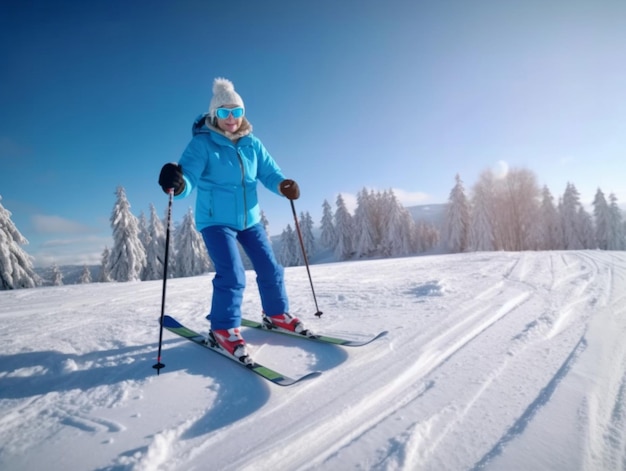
(496, 361)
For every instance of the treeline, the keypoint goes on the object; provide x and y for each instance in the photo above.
(380, 227)
(510, 213)
(513, 213)
(139, 246)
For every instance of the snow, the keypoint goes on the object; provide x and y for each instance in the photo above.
(497, 361)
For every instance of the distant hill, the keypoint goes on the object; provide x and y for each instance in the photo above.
(429, 213)
(71, 273)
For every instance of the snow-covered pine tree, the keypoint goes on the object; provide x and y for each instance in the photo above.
(289, 254)
(85, 276)
(56, 277)
(587, 233)
(398, 227)
(144, 234)
(377, 216)
(571, 223)
(128, 256)
(548, 226)
(265, 223)
(172, 263)
(617, 234)
(365, 243)
(16, 266)
(328, 237)
(308, 239)
(456, 224)
(602, 218)
(104, 276)
(191, 255)
(481, 232)
(144, 237)
(344, 226)
(155, 250)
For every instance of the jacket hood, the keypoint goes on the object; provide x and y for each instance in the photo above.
(202, 124)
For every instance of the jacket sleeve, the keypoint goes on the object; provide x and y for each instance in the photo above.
(193, 162)
(269, 173)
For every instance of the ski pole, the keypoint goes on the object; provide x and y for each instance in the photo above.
(158, 365)
(318, 313)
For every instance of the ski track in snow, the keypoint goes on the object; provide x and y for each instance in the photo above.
(493, 360)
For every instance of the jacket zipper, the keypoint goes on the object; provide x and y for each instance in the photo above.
(243, 186)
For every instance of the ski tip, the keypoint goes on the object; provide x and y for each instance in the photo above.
(169, 321)
(290, 381)
(313, 374)
(362, 343)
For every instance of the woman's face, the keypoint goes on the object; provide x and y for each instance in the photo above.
(230, 123)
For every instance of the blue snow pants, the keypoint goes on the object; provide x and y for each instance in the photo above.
(230, 277)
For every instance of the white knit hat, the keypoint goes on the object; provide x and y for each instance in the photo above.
(223, 94)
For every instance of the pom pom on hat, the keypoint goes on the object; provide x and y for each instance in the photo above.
(223, 94)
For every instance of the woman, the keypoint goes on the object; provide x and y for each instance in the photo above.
(224, 161)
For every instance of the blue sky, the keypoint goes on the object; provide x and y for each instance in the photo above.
(345, 95)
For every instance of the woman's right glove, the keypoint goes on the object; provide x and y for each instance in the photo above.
(290, 189)
(171, 177)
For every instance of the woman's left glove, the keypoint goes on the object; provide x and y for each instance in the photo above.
(290, 189)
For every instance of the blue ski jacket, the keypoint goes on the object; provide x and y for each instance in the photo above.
(226, 174)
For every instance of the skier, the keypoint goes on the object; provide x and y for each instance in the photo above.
(224, 161)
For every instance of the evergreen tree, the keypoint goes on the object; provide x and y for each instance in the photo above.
(104, 275)
(398, 227)
(548, 227)
(457, 219)
(308, 239)
(191, 255)
(289, 253)
(128, 256)
(365, 243)
(378, 215)
(155, 249)
(56, 277)
(85, 276)
(617, 234)
(586, 230)
(344, 226)
(144, 234)
(16, 266)
(328, 237)
(571, 221)
(172, 263)
(481, 232)
(265, 223)
(602, 216)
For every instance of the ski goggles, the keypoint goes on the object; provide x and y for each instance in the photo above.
(223, 113)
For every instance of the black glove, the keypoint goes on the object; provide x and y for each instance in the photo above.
(290, 189)
(171, 176)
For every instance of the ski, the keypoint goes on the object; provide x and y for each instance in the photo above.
(316, 338)
(269, 374)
